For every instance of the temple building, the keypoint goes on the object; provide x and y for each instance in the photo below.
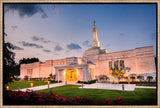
(95, 62)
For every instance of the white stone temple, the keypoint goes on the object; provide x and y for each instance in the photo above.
(95, 62)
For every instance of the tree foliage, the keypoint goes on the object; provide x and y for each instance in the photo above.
(140, 78)
(28, 60)
(117, 73)
(149, 78)
(8, 63)
(132, 78)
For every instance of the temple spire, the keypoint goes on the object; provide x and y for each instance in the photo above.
(94, 23)
(95, 42)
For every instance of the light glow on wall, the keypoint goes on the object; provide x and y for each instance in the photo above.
(64, 71)
(77, 73)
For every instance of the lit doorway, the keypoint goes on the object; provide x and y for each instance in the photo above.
(71, 75)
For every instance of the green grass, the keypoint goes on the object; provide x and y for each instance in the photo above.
(138, 97)
(25, 84)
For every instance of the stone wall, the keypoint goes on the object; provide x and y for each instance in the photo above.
(138, 61)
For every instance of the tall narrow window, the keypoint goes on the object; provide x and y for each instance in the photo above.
(110, 65)
(116, 64)
(122, 64)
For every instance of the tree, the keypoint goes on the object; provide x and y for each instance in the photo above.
(50, 77)
(8, 63)
(140, 78)
(132, 78)
(117, 73)
(28, 60)
(16, 68)
(149, 78)
(102, 77)
(156, 62)
(126, 78)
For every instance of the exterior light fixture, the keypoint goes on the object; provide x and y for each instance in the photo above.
(7, 87)
(48, 84)
(31, 84)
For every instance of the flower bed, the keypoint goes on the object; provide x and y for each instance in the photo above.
(33, 98)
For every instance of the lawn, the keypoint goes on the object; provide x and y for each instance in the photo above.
(26, 84)
(138, 97)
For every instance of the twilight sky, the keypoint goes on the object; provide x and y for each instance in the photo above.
(57, 31)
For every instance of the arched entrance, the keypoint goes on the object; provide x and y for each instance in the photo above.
(71, 75)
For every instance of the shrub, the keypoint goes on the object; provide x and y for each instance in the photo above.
(140, 78)
(26, 78)
(33, 98)
(87, 82)
(149, 78)
(132, 78)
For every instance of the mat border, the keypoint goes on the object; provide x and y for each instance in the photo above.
(79, 1)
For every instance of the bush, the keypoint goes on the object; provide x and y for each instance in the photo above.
(38, 79)
(145, 83)
(26, 78)
(87, 82)
(123, 82)
(17, 79)
(33, 98)
(53, 81)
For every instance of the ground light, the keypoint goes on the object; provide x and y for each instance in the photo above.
(31, 84)
(7, 87)
(48, 84)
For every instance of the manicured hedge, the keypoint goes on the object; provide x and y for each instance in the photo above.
(87, 82)
(141, 83)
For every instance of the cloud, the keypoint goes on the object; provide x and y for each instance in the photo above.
(58, 48)
(25, 9)
(87, 43)
(73, 46)
(45, 50)
(36, 38)
(30, 44)
(14, 27)
(122, 34)
(17, 48)
(56, 54)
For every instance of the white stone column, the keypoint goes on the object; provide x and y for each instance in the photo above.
(112, 63)
(84, 73)
(56, 79)
(118, 64)
(64, 73)
(58, 75)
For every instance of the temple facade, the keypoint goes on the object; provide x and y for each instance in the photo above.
(95, 62)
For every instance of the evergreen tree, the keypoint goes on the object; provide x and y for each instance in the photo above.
(8, 63)
(28, 60)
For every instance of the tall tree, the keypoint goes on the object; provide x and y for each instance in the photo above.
(149, 78)
(8, 63)
(117, 73)
(28, 60)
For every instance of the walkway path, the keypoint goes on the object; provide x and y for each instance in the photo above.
(93, 86)
(152, 87)
(43, 87)
(126, 87)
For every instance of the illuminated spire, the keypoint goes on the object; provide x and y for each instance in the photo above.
(95, 42)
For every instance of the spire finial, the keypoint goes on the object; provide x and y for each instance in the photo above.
(94, 23)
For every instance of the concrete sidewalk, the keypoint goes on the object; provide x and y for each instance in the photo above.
(42, 87)
(127, 87)
(146, 87)
(89, 86)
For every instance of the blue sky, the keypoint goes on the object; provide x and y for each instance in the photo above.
(55, 31)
